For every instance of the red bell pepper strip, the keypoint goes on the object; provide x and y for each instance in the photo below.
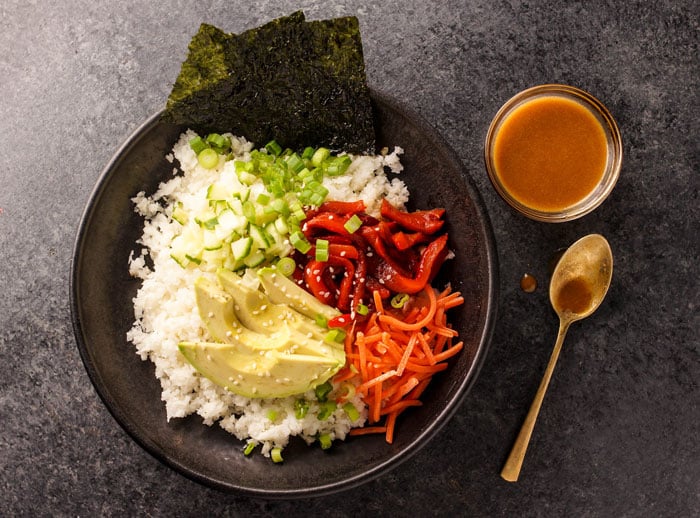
(342, 207)
(319, 280)
(373, 236)
(313, 277)
(426, 221)
(430, 261)
(405, 240)
(326, 221)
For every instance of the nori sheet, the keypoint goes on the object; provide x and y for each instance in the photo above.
(301, 83)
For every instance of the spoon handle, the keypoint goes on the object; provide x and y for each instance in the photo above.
(511, 469)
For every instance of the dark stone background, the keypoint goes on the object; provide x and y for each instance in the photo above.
(618, 432)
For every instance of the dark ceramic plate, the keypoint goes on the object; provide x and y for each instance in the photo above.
(101, 304)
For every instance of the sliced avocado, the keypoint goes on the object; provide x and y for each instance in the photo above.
(257, 311)
(282, 290)
(216, 311)
(245, 371)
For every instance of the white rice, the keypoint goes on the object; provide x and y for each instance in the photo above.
(166, 312)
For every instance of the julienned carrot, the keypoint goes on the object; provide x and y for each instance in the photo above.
(392, 357)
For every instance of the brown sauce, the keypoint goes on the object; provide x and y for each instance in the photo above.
(574, 296)
(550, 153)
(528, 283)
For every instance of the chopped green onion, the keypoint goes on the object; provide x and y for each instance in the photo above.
(351, 411)
(249, 448)
(353, 224)
(272, 415)
(338, 165)
(301, 408)
(320, 155)
(326, 409)
(323, 390)
(325, 441)
(218, 142)
(308, 153)
(321, 321)
(322, 250)
(362, 309)
(335, 335)
(273, 148)
(276, 454)
(208, 158)
(295, 163)
(399, 300)
(244, 167)
(198, 145)
(262, 199)
(348, 390)
(286, 266)
(298, 241)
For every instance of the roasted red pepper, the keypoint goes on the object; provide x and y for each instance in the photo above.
(326, 221)
(342, 207)
(426, 221)
(320, 280)
(406, 240)
(430, 261)
(373, 236)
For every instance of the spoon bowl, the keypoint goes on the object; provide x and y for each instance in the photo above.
(579, 283)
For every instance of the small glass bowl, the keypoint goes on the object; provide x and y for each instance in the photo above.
(614, 152)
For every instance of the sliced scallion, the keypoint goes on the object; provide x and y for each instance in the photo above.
(198, 145)
(273, 148)
(249, 448)
(276, 454)
(326, 409)
(322, 250)
(325, 441)
(301, 408)
(298, 241)
(286, 266)
(323, 390)
(399, 300)
(362, 309)
(208, 158)
(353, 224)
(351, 411)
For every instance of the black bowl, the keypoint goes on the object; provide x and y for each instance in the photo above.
(101, 304)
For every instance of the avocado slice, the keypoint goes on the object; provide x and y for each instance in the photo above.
(257, 311)
(243, 370)
(282, 290)
(216, 309)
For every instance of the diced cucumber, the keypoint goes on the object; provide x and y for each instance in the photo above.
(217, 191)
(180, 215)
(259, 238)
(230, 222)
(241, 247)
(255, 259)
(211, 241)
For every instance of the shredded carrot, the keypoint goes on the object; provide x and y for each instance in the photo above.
(367, 430)
(393, 355)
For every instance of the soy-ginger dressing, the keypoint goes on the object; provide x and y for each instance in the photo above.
(575, 296)
(550, 153)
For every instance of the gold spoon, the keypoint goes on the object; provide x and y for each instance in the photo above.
(579, 284)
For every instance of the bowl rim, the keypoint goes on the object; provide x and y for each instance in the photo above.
(491, 283)
(613, 163)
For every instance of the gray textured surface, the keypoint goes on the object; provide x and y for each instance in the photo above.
(617, 435)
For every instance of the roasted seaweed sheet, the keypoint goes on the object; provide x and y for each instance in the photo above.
(299, 82)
